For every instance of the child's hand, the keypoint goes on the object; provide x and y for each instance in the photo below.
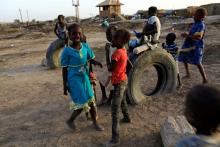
(65, 90)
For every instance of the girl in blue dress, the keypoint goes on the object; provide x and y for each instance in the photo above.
(195, 39)
(74, 61)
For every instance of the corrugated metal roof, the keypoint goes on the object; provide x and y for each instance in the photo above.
(109, 3)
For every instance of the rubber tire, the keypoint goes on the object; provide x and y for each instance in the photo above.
(53, 53)
(166, 70)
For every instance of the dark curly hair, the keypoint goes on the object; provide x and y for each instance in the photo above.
(110, 32)
(202, 12)
(152, 10)
(120, 38)
(170, 38)
(203, 109)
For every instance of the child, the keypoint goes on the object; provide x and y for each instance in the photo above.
(61, 28)
(76, 81)
(153, 20)
(202, 109)
(196, 35)
(172, 48)
(119, 81)
(151, 30)
(61, 32)
(104, 79)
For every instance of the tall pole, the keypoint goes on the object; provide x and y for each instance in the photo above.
(21, 15)
(76, 5)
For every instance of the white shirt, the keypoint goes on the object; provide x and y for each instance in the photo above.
(152, 20)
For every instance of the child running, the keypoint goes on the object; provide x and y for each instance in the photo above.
(119, 80)
(172, 48)
(76, 81)
(196, 35)
(202, 109)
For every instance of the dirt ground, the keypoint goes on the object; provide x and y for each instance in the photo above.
(33, 109)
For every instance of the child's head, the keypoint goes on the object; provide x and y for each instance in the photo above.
(200, 14)
(110, 32)
(203, 109)
(152, 11)
(60, 18)
(75, 33)
(170, 38)
(120, 38)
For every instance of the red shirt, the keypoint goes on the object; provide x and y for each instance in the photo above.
(119, 70)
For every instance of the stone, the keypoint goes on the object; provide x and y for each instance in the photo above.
(175, 128)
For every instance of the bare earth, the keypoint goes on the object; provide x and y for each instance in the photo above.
(33, 109)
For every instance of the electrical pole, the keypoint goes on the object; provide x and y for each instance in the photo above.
(76, 5)
(21, 15)
(28, 19)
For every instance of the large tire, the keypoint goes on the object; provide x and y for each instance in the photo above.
(166, 69)
(53, 53)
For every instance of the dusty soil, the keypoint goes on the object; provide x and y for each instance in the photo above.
(33, 109)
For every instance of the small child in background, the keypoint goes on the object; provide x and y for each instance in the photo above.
(61, 28)
(202, 110)
(195, 39)
(119, 81)
(171, 47)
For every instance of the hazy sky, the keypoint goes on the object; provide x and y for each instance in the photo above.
(49, 9)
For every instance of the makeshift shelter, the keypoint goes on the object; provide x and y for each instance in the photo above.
(109, 8)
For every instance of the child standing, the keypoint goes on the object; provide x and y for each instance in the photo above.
(196, 34)
(119, 80)
(202, 110)
(76, 81)
(172, 48)
(109, 50)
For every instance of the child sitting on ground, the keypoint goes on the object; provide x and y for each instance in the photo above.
(195, 36)
(119, 80)
(202, 110)
(172, 48)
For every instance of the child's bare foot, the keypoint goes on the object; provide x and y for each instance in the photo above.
(103, 101)
(179, 86)
(72, 126)
(186, 77)
(205, 81)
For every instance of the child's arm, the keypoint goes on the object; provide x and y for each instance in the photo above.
(112, 65)
(94, 62)
(65, 88)
(55, 31)
(107, 51)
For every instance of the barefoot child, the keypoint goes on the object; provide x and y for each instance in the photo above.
(61, 28)
(105, 78)
(119, 80)
(196, 35)
(202, 109)
(172, 48)
(76, 81)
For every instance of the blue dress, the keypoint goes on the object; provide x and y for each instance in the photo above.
(78, 77)
(194, 56)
